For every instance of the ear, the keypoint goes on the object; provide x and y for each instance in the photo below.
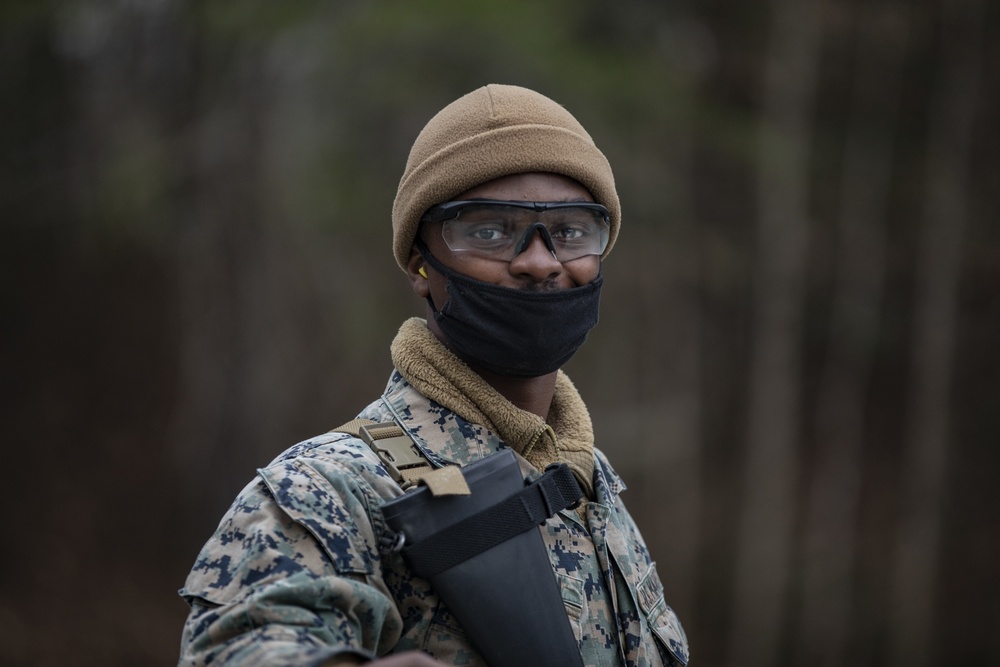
(421, 286)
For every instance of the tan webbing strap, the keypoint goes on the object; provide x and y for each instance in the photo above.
(353, 427)
(404, 460)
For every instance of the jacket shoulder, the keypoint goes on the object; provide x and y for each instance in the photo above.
(314, 508)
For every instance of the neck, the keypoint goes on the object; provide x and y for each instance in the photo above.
(532, 394)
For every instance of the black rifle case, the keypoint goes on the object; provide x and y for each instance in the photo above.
(484, 556)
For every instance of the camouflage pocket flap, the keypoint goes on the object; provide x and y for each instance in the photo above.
(335, 520)
(662, 619)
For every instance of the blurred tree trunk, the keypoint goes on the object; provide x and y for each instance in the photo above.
(764, 546)
(670, 447)
(939, 262)
(830, 526)
(220, 256)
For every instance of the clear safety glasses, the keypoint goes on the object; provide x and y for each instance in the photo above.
(503, 229)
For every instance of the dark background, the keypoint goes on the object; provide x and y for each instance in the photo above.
(796, 370)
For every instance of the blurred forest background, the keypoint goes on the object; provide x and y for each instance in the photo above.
(796, 370)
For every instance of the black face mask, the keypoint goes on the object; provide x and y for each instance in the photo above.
(513, 332)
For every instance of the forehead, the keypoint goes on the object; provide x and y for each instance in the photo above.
(529, 187)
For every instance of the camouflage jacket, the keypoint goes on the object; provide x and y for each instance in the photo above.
(294, 574)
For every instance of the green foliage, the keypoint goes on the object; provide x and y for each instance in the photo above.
(249, 21)
(16, 13)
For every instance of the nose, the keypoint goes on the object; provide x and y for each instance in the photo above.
(536, 261)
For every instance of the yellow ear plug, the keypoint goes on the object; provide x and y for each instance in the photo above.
(422, 271)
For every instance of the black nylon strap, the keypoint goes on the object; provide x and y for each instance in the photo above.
(556, 490)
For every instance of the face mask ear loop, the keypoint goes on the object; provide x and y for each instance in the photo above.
(530, 235)
(425, 252)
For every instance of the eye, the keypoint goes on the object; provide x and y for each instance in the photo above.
(486, 232)
(573, 231)
(569, 231)
(576, 229)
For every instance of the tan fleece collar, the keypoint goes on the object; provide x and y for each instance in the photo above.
(438, 374)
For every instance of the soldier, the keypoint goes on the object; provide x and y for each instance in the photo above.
(503, 215)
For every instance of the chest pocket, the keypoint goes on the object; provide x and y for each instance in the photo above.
(575, 600)
(662, 619)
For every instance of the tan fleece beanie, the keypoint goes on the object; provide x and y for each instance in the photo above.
(496, 131)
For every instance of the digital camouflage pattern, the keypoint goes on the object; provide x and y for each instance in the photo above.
(295, 575)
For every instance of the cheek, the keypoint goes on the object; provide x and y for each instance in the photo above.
(488, 271)
(584, 270)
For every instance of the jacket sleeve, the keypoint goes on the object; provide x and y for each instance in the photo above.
(290, 576)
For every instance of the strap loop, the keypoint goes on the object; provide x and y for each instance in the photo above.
(556, 490)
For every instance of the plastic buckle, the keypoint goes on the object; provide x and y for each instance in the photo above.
(392, 543)
(396, 452)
